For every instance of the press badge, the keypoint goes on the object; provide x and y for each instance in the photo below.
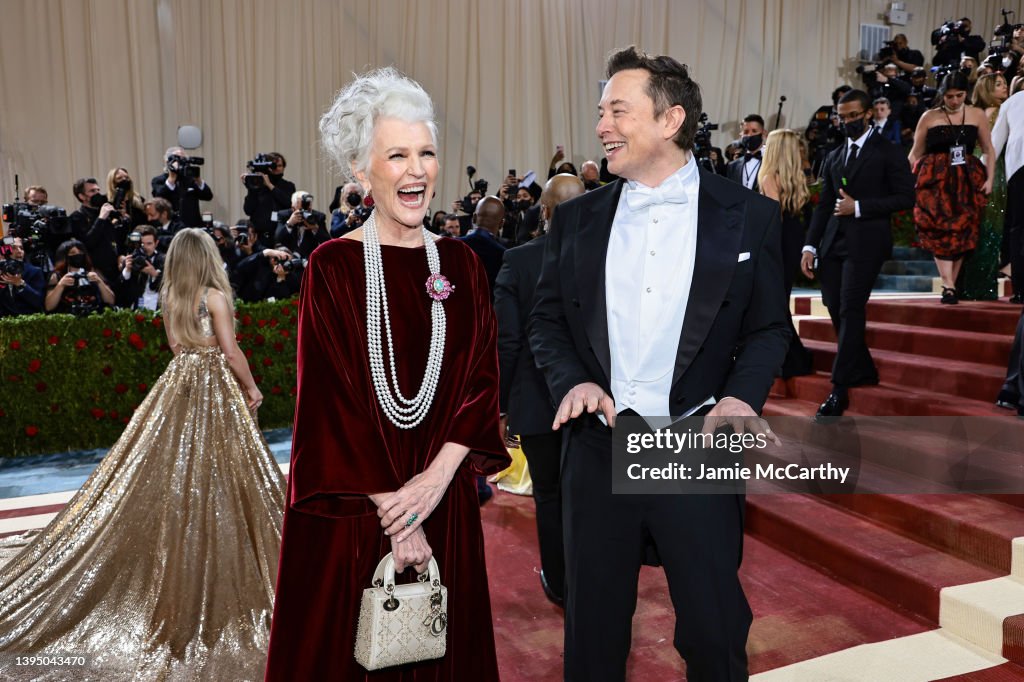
(957, 155)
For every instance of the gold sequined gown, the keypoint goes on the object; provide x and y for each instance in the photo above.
(162, 567)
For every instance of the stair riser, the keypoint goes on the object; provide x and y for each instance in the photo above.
(993, 318)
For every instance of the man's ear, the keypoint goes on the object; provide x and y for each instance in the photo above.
(674, 117)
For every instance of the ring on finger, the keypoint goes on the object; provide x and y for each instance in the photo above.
(412, 519)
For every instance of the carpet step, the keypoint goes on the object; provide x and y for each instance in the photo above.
(979, 347)
(886, 399)
(899, 570)
(983, 612)
(915, 283)
(910, 267)
(952, 378)
(994, 317)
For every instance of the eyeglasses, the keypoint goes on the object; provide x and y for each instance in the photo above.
(850, 117)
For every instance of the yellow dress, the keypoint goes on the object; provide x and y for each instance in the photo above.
(163, 565)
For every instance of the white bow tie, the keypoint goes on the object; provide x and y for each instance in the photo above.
(641, 197)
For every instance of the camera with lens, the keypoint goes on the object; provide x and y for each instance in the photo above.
(262, 165)
(952, 28)
(10, 266)
(702, 138)
(32, 223)
(242, 239)
(83, 301)
(185, 166)
(309, 215)
(291, 264)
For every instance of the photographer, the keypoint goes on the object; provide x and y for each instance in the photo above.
(522, 215)
(95, 224)
(142, 272)
(450, 227)
(22, 285)
(121, 190)
(350, 212)
(305, 229)
(953, 39)
(886, 83)
(266, 273)
(75, 287)
(227, 245)
(182, 186)
(158, 211)
(36, 195)
(268, 192)
(898, 52)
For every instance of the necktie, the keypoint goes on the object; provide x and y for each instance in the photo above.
(853, 155)
(641, 197)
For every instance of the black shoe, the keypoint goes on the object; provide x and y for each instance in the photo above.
(949, 296)
(1007, 400)
(833, 407)
(550, 593)
(1015, 298)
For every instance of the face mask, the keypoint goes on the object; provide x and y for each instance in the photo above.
(353, 199)
(854, 129)
(752, 142)
(77, 260)
(97, 200)
(124, 185)
(524, 204)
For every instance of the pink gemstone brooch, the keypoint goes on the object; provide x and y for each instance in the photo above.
(438, 287)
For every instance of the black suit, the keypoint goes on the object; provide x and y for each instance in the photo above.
(524, 397)
(851, 250)
(490, 251)
(733, 339)
(184, 198)
(736, 169)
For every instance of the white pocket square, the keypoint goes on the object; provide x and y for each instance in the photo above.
(743, 256)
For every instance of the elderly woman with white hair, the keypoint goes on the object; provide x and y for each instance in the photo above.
(388, 311)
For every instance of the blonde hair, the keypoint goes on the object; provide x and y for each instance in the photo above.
(782, 161)
(130, 197)
(985, 91)
(192, 265)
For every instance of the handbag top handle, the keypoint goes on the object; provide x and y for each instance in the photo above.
(385, 573)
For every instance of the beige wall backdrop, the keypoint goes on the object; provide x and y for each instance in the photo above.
(92, 84)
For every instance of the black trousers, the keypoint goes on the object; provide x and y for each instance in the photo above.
(846, 283)
(1013, 230)
(543, 455)
(1014, 384)
(699, 539)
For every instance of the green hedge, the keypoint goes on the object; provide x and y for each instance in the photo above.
(70, 383)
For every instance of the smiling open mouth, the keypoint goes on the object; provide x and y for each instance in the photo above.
(412, 196)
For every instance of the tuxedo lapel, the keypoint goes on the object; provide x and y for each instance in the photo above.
(869, 147)
(591, 252)
(719, 229)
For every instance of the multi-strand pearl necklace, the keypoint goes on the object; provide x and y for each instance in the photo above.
(405, 413)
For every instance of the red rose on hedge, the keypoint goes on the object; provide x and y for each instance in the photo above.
(278, 346)
(140, 318)
(107, 370)
(267, 362)
(261, 323)
(259, 340)
(2, 413)
(276, 390)
(293, 391)
(53, 340)
(108, 333)
(285, 333)
(143, 388)
(273, 322)
(41, 387)
(248, 352)
(54, 408)
(257, 378)
(97, 413)
(14, 378)
(121, 388)
(246, 320)
(34, 366)
(113, 414)
(15, 345)
(286, 310)
(81, 344)
(117, 335)
(31, 431)
(125, 420)
(136, 341)
(158, 322)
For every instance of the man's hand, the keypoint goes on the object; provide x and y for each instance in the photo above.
(266, 181)
(12, 280)
(172, 177)
(586, 396)
(150, 270)
(740, 416)
(845, 205)
(106, 210)
(295, 218)
(807, 264)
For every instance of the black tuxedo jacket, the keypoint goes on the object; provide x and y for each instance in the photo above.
(490, 251)
(880, 179)
(735, 332)
(522, 391)
(734, 171)
(185, 197)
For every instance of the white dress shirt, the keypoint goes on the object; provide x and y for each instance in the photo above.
(648, 273)
(1008, 131)
(750, 169)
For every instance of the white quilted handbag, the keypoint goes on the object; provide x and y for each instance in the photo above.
(402, 623)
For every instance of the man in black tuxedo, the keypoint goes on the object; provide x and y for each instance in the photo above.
(865, 181)
(488, 217)
(524, 400)
(183, 191)
(661, 293)
(744, 169)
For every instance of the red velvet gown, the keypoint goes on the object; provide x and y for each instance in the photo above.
(344, 449)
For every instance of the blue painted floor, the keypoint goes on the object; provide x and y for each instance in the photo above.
(63, 471)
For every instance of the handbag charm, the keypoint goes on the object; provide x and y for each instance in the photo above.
(402, 623)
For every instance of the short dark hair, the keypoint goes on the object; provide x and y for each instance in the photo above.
(450, 216)
(277, 156)
(669, 84)
(161, 205)
(754, 118)
(80, 183)
(954, 80)
(858, 96)
(143, 230)
(839, 92)
(882, 100)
